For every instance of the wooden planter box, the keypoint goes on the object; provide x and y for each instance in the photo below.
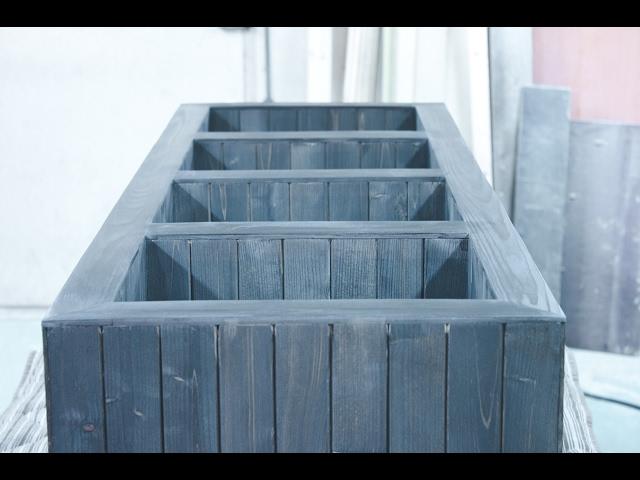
(306, 278)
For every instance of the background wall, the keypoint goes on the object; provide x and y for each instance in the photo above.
(81, 107)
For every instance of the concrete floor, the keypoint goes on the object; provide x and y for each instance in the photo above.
(616, 425)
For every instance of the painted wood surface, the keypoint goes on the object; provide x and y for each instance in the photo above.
(214, 269)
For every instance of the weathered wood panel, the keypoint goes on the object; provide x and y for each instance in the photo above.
(260, 269)
(74, 389)
(344, 154)
(274, 156)
(214, 269)
(353, 268)
(349, 201)
(359, 387)
(309, 201)
(378, 155)
(308, 155)
(303, 388)
(230, 202)
(445, 268)
(132, 389)
(417, 360)
(474, 387)
(169, 270)
(246, 389)
(240, 155)
(189, 388)
(269, 201)
(400, 268)
(533, 372)
(426, 201)
(306, 269)
(388, 201)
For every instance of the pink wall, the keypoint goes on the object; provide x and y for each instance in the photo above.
(601, 65)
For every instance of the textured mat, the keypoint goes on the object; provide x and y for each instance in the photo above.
(23, 425)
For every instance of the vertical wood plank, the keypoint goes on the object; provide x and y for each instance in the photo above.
(411, 155)
(533, 379)
(224, 120)
(207, 155)
(75, 398)
(169, 276)
(274, 155)
(260, 269)
(309, 201)
(400, 119)
(214, 270)
(302, 387)
(283, 120)
(353, 268)
(306, 269)
(254, 120)
(132, 388)
(426, 201)
(343, 154)
(316, 118)
(400, 268)
(417, 373)
(240, 155)
(246, 388)
(371, 119)
(349, 201)
(343, 118)
(474, 387)
(189, 202)
(378, 155)
(310, 155)
(269, 201)
(189, 388)
(387, 201)
(445, 268)
(230, 202)
(359, 389)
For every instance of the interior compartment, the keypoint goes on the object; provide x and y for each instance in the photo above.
(278, 119)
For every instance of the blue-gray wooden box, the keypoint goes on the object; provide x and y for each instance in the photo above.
(306, 278)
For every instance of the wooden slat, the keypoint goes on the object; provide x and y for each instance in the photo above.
(353, 269)
(269, 201)
(132, 389)
(533, 373)
(224, 120)
(313, 119)
(189, 388)
(309, 201)
(417, 374)
(208, 156)
(445, 268)
(168, 263)
(344, 154)
(474, 387)
(359, 386)
(378, 155)
(400, 268)
(411, 155)
(302, 388)
(189, 202)
(283, 119)
(308, 155)
(75, 399)
(230, 202)
(274, 156)
(306, 269)
(240, 155)
(246, 388)
(260, 269)
(387, 201)
(371, 119)
(426, 201)
(343, 118)
(214, 270)
(400, 119)
(254, 120)
(349, 201)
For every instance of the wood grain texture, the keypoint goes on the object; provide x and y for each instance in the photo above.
(426, 201)
(207, 156)
(269, 201)
(187, 202)
(344, 154)
(309, 201)
(189, 388)
(274, 155)
(349, 201)
(378, 155)
(387, 201)
(283, 119)
(240, 155)
(132, 389)
(230, 202)
(169, 270)
(411, 155)
(260, 269)
(302, 388)
(417, 371)
(308, 155)
(474, 387)
(353, 269)
(254, 120)
(214, 270)
(400, 266)
(533, 376)
(359, 387)
(247, 421)
(306, 269)
(75, 405)
(445, 268)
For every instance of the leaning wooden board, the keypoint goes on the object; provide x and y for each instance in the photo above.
(306, 278)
